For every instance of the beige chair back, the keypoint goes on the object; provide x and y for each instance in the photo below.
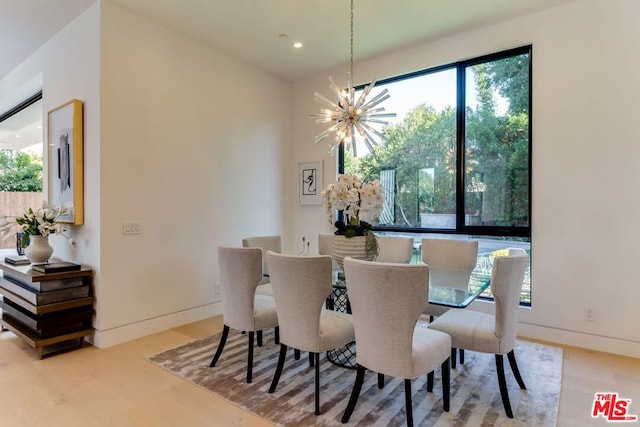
(386, 301)
(240, 273)
(395, 249)
(301, 285)
(324, 243)
(324, 248)
(450, 261)
(507, 275)
(266, 243)
(516, 251)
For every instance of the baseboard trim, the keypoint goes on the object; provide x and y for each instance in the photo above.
(579, 339)
(121, 334)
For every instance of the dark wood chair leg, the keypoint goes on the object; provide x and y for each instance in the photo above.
(514, 368)
(408, 403)
(311, 360)
(276, 334)
(259, 333)
(430, 382)
(250, 357)
(461, 351)
(296, 354)
(276, 376)
(380, 381)
(454, 352)
(446, 384)
(504, 392)
(316, 356)
(355, 393)
(223, 340)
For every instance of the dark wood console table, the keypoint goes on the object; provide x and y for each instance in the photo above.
(51, 312)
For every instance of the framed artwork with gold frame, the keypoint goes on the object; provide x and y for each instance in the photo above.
(65, 160)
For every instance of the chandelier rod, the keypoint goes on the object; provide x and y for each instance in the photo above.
(351, 40)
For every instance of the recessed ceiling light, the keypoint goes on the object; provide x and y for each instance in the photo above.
(18, 136)
(297, 45)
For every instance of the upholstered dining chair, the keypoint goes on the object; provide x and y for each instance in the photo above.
(450, 262)
(301, 285)
(495, 333)
(516, 251)
(242, 308)
(266, 243)
(324, 247)
(395, 249)
(387, 300)
(324, 244)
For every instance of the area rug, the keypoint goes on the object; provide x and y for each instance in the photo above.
(475, 397)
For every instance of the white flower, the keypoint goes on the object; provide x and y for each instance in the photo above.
(42, 222)
(358, 200)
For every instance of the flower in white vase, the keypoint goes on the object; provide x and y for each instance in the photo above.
(41, 222)
(359, 201)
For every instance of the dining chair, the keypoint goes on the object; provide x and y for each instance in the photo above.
(387, 300)
(395, 249)
(516, 251)
(492, 333)
(324, 247)
(301, 285)
(266, 243)
(450, 262)
(242, 308)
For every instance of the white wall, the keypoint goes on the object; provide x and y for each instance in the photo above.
(192, 147)
(585, 151)
(184, 139)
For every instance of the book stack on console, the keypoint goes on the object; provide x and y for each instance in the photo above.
(55, 267)
(17, 260)
(47, 305)
(46, 291)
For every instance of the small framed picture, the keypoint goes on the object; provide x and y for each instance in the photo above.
(65, 160)
(310, 183)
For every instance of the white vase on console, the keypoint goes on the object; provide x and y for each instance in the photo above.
(39, 250)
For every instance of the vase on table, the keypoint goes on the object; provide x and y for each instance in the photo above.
(354, 247)
(39, 251)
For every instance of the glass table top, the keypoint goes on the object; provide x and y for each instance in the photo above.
(440, 295)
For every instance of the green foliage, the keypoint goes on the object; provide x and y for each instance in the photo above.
(421, 150)
(20, 171)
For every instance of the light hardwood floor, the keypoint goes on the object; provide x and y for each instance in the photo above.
(118, 387)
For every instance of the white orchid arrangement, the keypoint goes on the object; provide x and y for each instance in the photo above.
(361, 203)
(41, 222)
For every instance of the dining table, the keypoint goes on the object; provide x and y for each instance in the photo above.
(449, 296)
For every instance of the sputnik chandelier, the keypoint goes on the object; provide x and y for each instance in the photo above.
(351, 117)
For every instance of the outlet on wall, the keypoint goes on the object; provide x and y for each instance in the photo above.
(589, 314)
(131, 227)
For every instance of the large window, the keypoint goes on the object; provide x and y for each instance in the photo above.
(21, 150)
(457, 158)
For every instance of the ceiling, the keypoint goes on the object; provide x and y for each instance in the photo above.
(261, 32)
(251, 29)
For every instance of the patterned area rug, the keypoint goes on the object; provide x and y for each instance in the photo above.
(475, 397)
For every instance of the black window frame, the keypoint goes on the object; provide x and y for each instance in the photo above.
(461, 227)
